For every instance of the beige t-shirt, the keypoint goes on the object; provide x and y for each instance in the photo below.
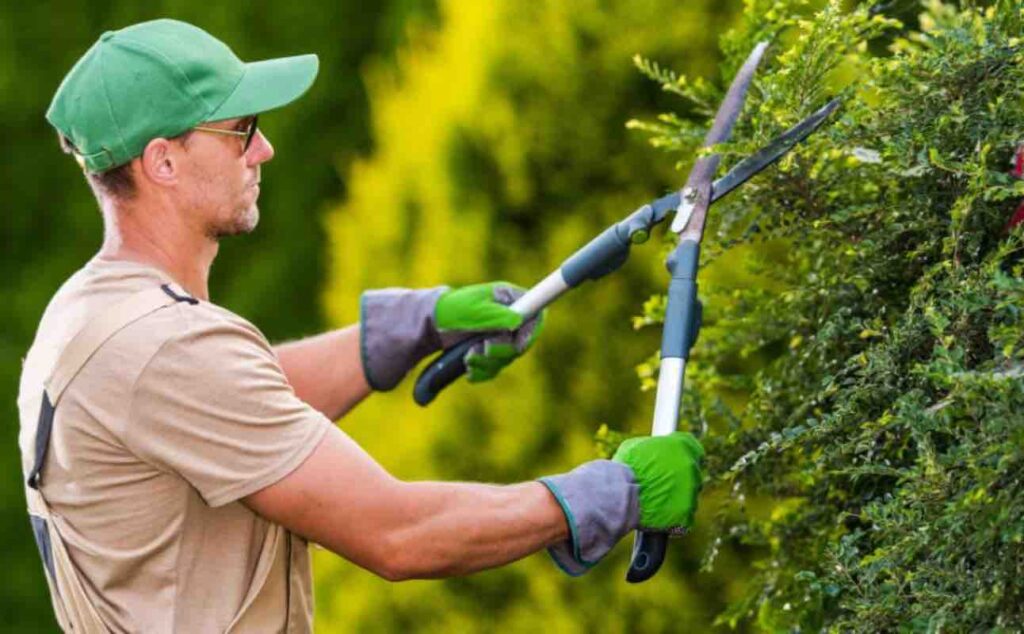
(168, 425)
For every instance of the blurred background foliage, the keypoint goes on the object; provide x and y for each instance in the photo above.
(449, 142)
(501, 146)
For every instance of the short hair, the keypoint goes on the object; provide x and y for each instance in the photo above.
(116, 182)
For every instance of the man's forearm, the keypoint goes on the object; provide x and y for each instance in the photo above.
(457, 528)
(326, 370)
(343, 500)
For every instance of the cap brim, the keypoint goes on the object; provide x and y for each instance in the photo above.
(267, 85)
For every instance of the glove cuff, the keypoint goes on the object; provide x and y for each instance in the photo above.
(396, 330)
(601, 503)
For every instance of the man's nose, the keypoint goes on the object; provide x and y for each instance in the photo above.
(260, 150)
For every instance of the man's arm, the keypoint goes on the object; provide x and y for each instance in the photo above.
(345, 501)
(326, 371)
(400, 327)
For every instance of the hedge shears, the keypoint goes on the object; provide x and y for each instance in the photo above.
(610, 249)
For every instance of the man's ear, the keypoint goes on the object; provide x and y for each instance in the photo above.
(159, 162)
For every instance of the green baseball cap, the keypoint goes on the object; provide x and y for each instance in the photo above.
(160, 79)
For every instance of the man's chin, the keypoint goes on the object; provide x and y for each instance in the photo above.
(241, 224)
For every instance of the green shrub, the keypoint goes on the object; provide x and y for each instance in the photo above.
(860, 371)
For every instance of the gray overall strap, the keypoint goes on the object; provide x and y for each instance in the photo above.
(72, 607)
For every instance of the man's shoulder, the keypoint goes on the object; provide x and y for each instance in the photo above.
(184, 339)
(202, 325)
(177, 354)
(204, 328)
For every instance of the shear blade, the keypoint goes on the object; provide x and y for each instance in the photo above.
(769, 154)
(703, 172)
(732, 104)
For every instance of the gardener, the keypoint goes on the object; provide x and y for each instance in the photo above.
(176, 463)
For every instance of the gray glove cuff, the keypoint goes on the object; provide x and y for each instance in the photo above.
(396, 330)
(601, 502)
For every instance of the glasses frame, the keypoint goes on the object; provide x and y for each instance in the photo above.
(248, 133)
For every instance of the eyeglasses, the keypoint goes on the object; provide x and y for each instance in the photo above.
(248, 133)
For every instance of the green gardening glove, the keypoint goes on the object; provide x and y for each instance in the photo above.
(463, 311)
(651, 483)
(399, 326)
(667, 469)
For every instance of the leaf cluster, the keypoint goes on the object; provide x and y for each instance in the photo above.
(860, 365)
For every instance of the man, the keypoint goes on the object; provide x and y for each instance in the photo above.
(176, 463)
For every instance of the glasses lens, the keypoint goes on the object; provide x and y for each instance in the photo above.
(251, 132)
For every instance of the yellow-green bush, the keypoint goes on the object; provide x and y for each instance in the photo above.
(501, 147)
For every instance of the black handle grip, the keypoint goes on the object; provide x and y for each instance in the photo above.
(442, 371)
(648, 554)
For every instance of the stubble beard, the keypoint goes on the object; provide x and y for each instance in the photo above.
(241, 223)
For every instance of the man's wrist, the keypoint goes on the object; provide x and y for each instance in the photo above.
(601, 503)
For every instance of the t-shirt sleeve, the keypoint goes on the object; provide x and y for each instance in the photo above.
(213, 406)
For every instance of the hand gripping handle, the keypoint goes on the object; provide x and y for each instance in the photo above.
(443, 371)
(648, 554)
(679, 333)
(599, 257)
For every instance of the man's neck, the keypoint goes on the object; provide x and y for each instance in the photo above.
(185, 256)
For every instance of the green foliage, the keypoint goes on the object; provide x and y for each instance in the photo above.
(860, 370)
(500, 150)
